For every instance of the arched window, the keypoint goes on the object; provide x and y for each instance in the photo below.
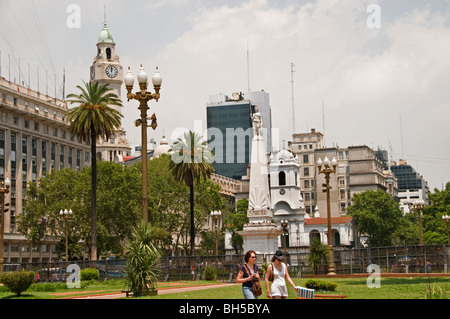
(314, 234)
(281, 178)
(108, 53)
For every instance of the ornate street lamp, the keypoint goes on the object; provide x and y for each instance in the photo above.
(4, 189)
(284, 225)
(143, 96)
(66, 215)
(446, 220)
(216, 216)
(327, 169)
(418, 206)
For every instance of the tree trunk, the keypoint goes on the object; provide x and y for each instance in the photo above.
(192, 219)
(93, 196)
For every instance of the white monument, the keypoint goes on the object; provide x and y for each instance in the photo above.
(260, 233)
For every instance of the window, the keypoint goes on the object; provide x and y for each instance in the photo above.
(306, 171)
(306, 158)
(108, 53)
(281, 178)
(306, 183)
(36, 126)
(26, 123)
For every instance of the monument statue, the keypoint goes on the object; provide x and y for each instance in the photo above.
(257, 122)
(260, 233)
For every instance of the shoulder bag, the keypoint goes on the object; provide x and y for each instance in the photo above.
(256, 286)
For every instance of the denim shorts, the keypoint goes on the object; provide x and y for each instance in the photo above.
(248, 293)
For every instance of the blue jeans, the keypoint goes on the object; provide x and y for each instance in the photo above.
(248, 293)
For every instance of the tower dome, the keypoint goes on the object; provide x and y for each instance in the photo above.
(105, 35)
(162, 148)
(284, 155)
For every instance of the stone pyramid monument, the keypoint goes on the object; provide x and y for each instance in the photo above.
(260, 233)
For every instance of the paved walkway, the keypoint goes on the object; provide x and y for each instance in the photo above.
(161, 291)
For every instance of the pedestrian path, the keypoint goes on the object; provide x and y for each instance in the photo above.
(161, 291)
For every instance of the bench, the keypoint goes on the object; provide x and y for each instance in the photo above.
(326, 297)
(127, 292)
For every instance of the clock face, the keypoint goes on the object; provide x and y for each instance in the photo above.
(111, 71)
(282, 191)
(92, 72)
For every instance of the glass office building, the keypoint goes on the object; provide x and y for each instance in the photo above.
(230, 130)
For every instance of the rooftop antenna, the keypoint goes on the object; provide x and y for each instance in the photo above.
(64, 84)
(323, 121)
(292, 88)
(401, 135)
(248, 69)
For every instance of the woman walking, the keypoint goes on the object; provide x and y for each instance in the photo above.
(278, 290)
(247, 273)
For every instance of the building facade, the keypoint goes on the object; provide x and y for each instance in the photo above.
(34, 139)
(411, 185)
(230, 130)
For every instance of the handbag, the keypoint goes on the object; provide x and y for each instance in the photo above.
(256, 285)
(271, 274)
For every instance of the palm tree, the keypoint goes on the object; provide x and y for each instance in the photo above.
(191, 161)
(92, 119)
(317, 255)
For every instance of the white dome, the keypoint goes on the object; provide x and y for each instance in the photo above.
(284, 155)
(162, 148)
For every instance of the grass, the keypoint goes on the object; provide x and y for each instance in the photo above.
(353, 288)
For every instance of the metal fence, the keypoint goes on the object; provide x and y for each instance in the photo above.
(395, 259)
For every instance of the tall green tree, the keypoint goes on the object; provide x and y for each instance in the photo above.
(118, 200)
(377, 216)
(236, 221)
(434, 228)
(191, 162)
(91, 120)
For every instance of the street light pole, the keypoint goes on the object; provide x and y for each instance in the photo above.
(66, 215)
(418, 207)
(325, 168)
(216, 216)
(284, 224)
(4, 189)
(143, 96)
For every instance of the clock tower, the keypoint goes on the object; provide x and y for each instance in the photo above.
(106, 69)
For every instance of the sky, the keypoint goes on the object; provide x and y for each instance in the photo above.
(372, 73)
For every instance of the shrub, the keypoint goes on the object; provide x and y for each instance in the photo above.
(41, 286)
(318, 284)
(18, 281)
(210, 273)
(88, 274)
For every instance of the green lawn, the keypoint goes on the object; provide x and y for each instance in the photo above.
(353, 288)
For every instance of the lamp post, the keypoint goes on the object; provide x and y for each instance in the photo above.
(327, 169)
(66, 215)
(4, 189)
(216, 216)
(143, 96)
(284, 224)
(446, 220)
(418, 206)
